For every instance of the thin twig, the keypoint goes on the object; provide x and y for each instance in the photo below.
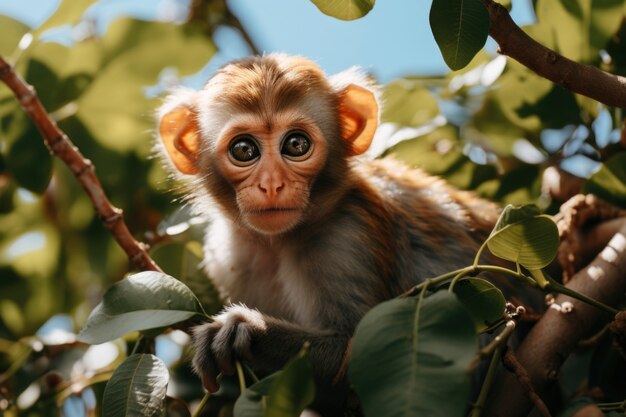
(60, 146)
(478, 406)
(236, 23)
(583, 79)
(500, 340)
(513, 365)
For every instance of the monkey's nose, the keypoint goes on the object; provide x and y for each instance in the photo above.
(271, 188)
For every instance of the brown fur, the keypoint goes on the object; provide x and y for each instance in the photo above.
(367, 231)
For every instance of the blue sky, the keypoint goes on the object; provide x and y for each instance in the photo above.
(393, 40)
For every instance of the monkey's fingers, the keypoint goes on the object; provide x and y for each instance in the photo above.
(204, 362)
(210, 381)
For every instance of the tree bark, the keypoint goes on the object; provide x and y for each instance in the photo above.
(556, 335)
(579, 78)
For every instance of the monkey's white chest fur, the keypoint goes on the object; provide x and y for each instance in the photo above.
(258, 274)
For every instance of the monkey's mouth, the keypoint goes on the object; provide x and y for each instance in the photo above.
(274, 220)
(274, 210)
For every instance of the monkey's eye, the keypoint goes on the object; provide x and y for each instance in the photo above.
(244, 149)
(296, 144)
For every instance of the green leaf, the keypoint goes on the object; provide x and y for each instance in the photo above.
(115, 108)
(12, 32)
(137, 388)
(142, 301)
(408, 104)
(283, 394)
(609, 181)
(69, 12)
(582, 27)
(250, 402)
(411, 357)
(345, 9)
(27, 158)
(183, 260)
(506, 3)
(292, 390)
(482, 299)
(523, 236)
(460, 28)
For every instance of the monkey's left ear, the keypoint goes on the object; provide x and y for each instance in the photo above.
(179, 132)
(358, 115)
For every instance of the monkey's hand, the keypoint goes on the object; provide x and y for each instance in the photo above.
(228, 337)
(263, 342)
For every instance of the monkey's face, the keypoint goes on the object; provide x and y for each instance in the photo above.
(271, 165)
(269, 138)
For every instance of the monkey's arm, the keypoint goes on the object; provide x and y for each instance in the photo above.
(263, 342)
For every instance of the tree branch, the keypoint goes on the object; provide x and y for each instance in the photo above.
(59, 145)
(513, 366)
(583, 79)
(555, 336)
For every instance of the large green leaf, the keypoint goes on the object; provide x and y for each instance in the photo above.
(460, 28)
(250, 403)
(84, 57)
(114, 108)
(523, 236)
(292, 390)
(144, 48)
(183, 260)
(408, 103)
(609, 181)
(518, 89)
(482, 299)
(142, 301)
(439, 152)
(137, 388)
(582, 27)
(412, 358)
(345, 9)
(12, 32)
(68, 13)
(27, 158)
(283, 394)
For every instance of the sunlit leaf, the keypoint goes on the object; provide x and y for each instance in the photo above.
(184, 260)
(131, 43)
(12, 32)
(482, 299)
(523, 236)
(609, 182)
(142, 301)
(114, 108)
(517, 186)
(408, 104)
(137, 388)
(411, 358)
(518, 89)
(69, 12)
(506, 3)
(460, 28)
(440, 153)
(345, 9)
(581, 27)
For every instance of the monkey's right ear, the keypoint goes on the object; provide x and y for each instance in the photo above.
(179, 132)
(358, 115)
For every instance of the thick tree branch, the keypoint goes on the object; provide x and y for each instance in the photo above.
(583, 79)
(59, 145)
(555, 336)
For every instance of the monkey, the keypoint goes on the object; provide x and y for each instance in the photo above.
(304, 234)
